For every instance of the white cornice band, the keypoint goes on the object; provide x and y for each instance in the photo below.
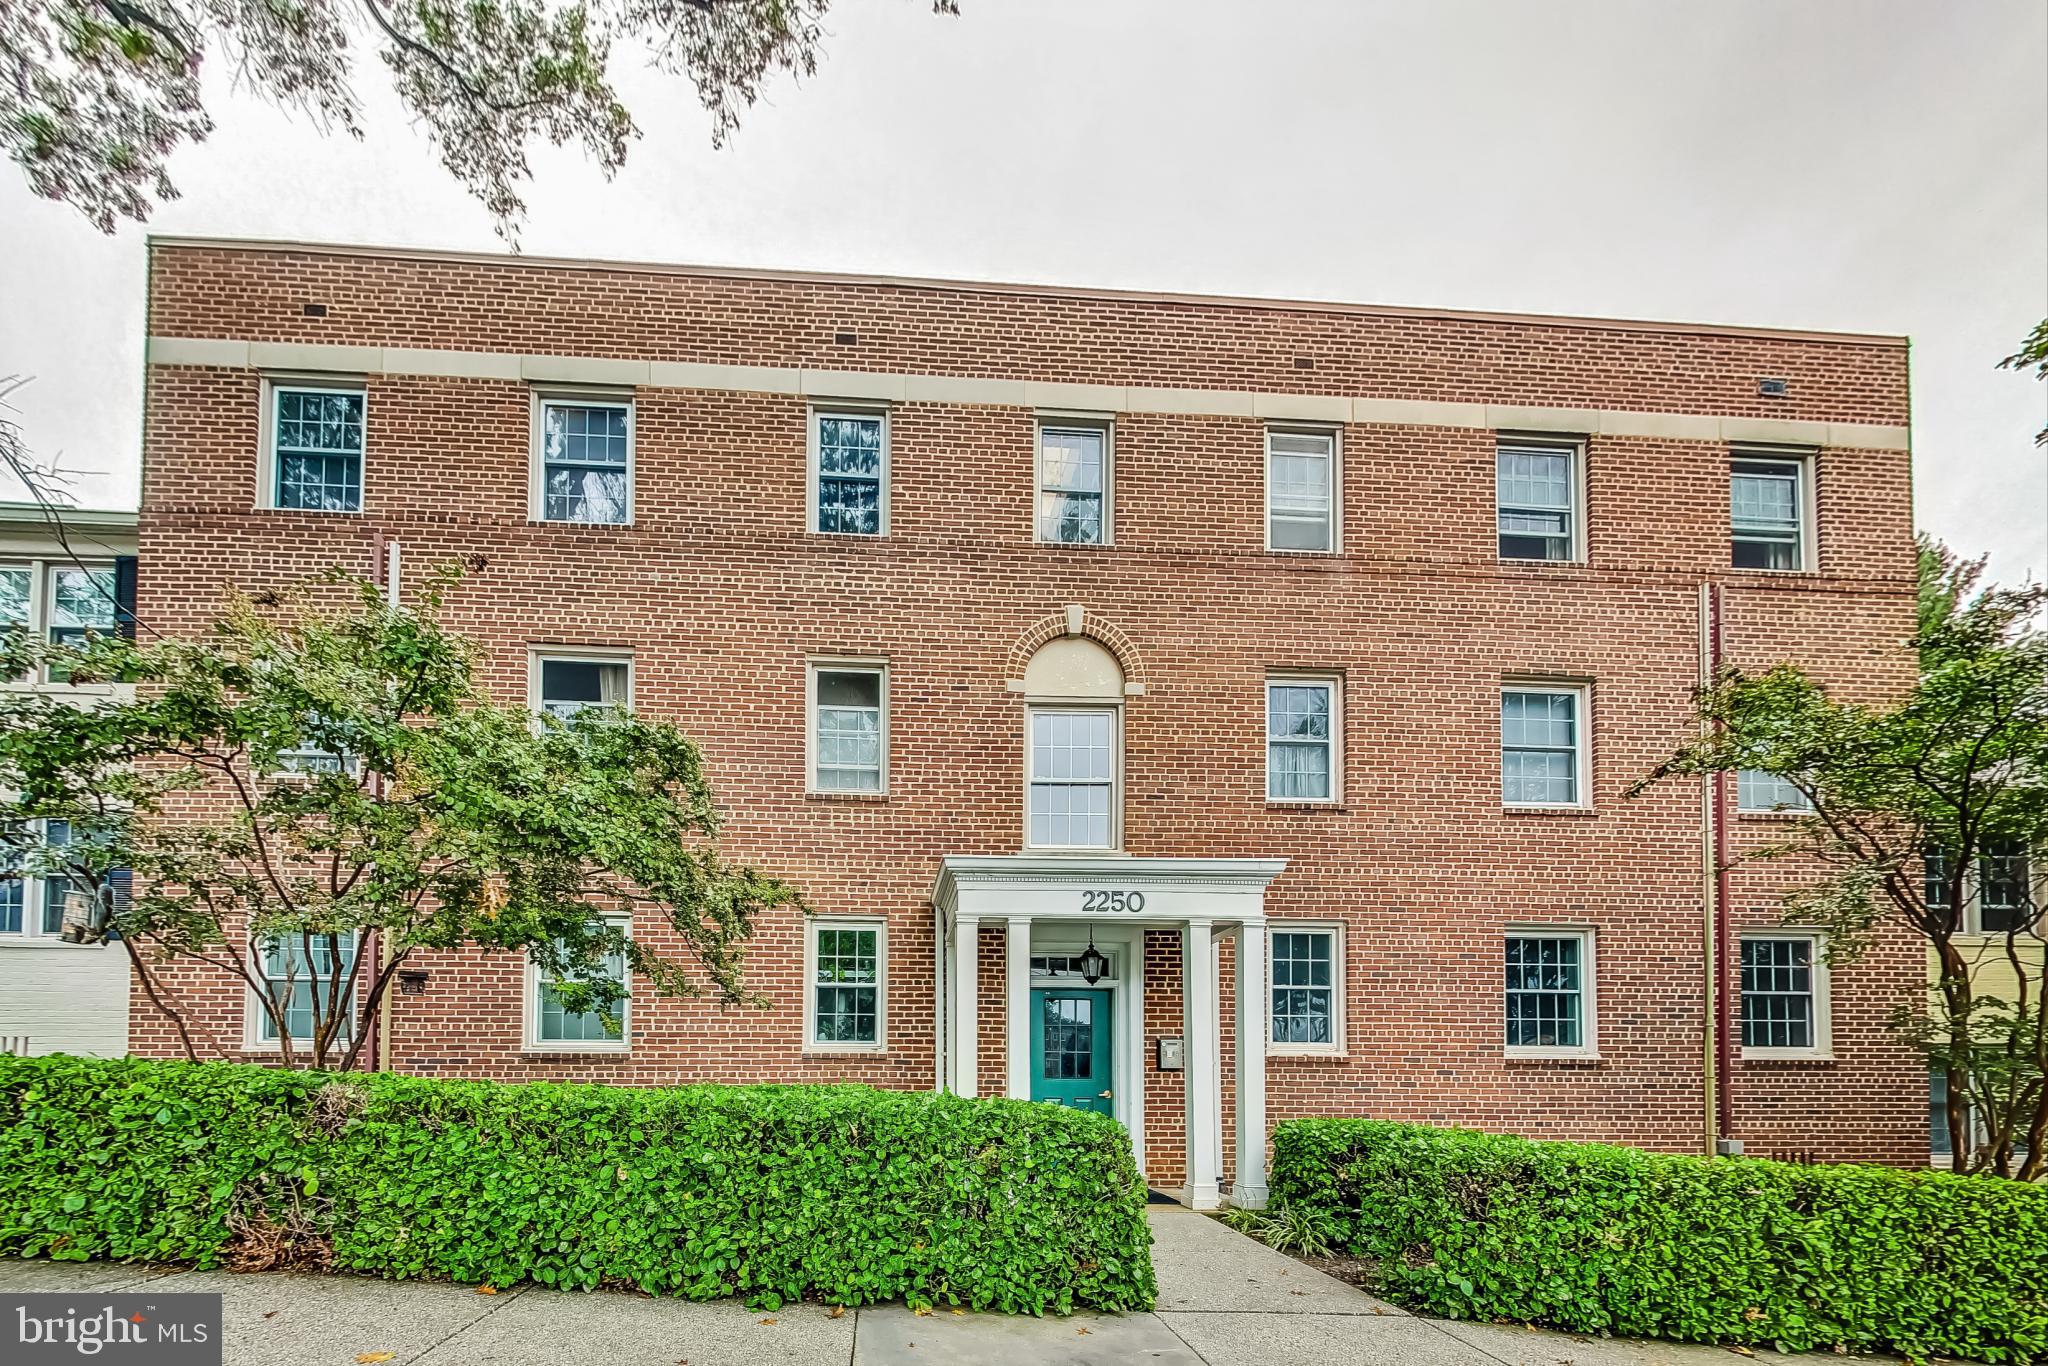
(875, 386)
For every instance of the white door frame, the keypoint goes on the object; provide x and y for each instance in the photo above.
(1126, 1011)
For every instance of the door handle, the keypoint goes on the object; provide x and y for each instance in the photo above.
(1105, 1095)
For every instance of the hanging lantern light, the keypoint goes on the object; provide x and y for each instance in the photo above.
(1094, 966)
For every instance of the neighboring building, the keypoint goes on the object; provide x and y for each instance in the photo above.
(61, 578)
(2002, 893)
(1298, 654)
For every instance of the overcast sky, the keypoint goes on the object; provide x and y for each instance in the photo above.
(1846, 164)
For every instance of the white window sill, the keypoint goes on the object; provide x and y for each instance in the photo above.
(1296, 1050)
(845, 1050)
(48, 941)
(1787, 1055)
(1074, 851)
(1579, 1055)
(590, 526)
(556, 1050)
(844, 795)
(1547, 808)
(313, 512)
(1753, 813)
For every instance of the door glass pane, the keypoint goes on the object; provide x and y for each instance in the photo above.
(1069, 1038)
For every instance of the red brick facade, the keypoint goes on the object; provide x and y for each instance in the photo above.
(722, 594)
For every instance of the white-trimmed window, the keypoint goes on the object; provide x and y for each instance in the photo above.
(1998, 888)
(1784, 996)
(1073, 481)
(32, 906)
(1543, 745)
(845, 993)
(1758, 791)
(1769, 510)
(1536, 499)
(66, 601)
(307, 760)
(1301, 490)
(849, 705)
(1072, 764)
(565, 682)
(314, 447)
(1549, 1002)
(1305, 966)
(583, 459)
(305, 974)
(553, 1028)
(850, 471)
(82, 606)
(1304, 738)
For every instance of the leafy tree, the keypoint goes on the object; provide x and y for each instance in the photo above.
(95, 95)
(2032, 355)
(322, 771)
(1924, 814)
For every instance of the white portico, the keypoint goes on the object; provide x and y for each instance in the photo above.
(1068, 1038)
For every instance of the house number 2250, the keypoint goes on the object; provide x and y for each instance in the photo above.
(1112, 901)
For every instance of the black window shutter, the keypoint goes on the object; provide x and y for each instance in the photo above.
(124, 595)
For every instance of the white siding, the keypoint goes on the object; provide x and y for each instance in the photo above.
(66, 1000)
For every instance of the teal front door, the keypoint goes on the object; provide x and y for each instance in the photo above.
(1070, 1049)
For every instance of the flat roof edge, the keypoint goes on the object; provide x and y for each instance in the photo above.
(1024, 289)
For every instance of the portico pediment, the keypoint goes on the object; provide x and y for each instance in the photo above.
(1109, 888)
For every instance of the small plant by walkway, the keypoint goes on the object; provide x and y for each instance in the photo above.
(842, 1194)
(1605, 1240)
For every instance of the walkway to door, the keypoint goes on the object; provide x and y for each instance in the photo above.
(1224, 1300)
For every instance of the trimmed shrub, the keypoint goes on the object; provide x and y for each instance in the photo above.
(1599, 1239)
(843, 1193)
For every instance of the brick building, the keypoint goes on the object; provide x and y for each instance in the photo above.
(1295, 655)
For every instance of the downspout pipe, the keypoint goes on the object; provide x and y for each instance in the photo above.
(1723, 955)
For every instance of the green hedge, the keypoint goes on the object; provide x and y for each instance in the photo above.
(1599, 1239)
(841, 1193)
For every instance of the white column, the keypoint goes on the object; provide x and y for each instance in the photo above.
(1017, 998)
(966, 1002)
(942, 1004)
(1249, 1189)
(1204, 1064)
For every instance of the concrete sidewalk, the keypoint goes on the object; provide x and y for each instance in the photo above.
(1224, 1300)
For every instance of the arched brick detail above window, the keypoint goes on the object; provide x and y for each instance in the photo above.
(1077, 621)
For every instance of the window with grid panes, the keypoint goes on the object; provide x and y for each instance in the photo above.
(852, 465)
(1301, 482)
(2005, 899)
(1756, 790)
(555, 1023)
(586, 460)
(1535, 489)
(847, 734)
(1765, 513)
(1073, 779)
(846, 984)
(1777, 992)
(1546, 989)
(1304, 986)
(306, 975)
(1073, 484)
(1300, 731)
(317, 448)
(1540, 746)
